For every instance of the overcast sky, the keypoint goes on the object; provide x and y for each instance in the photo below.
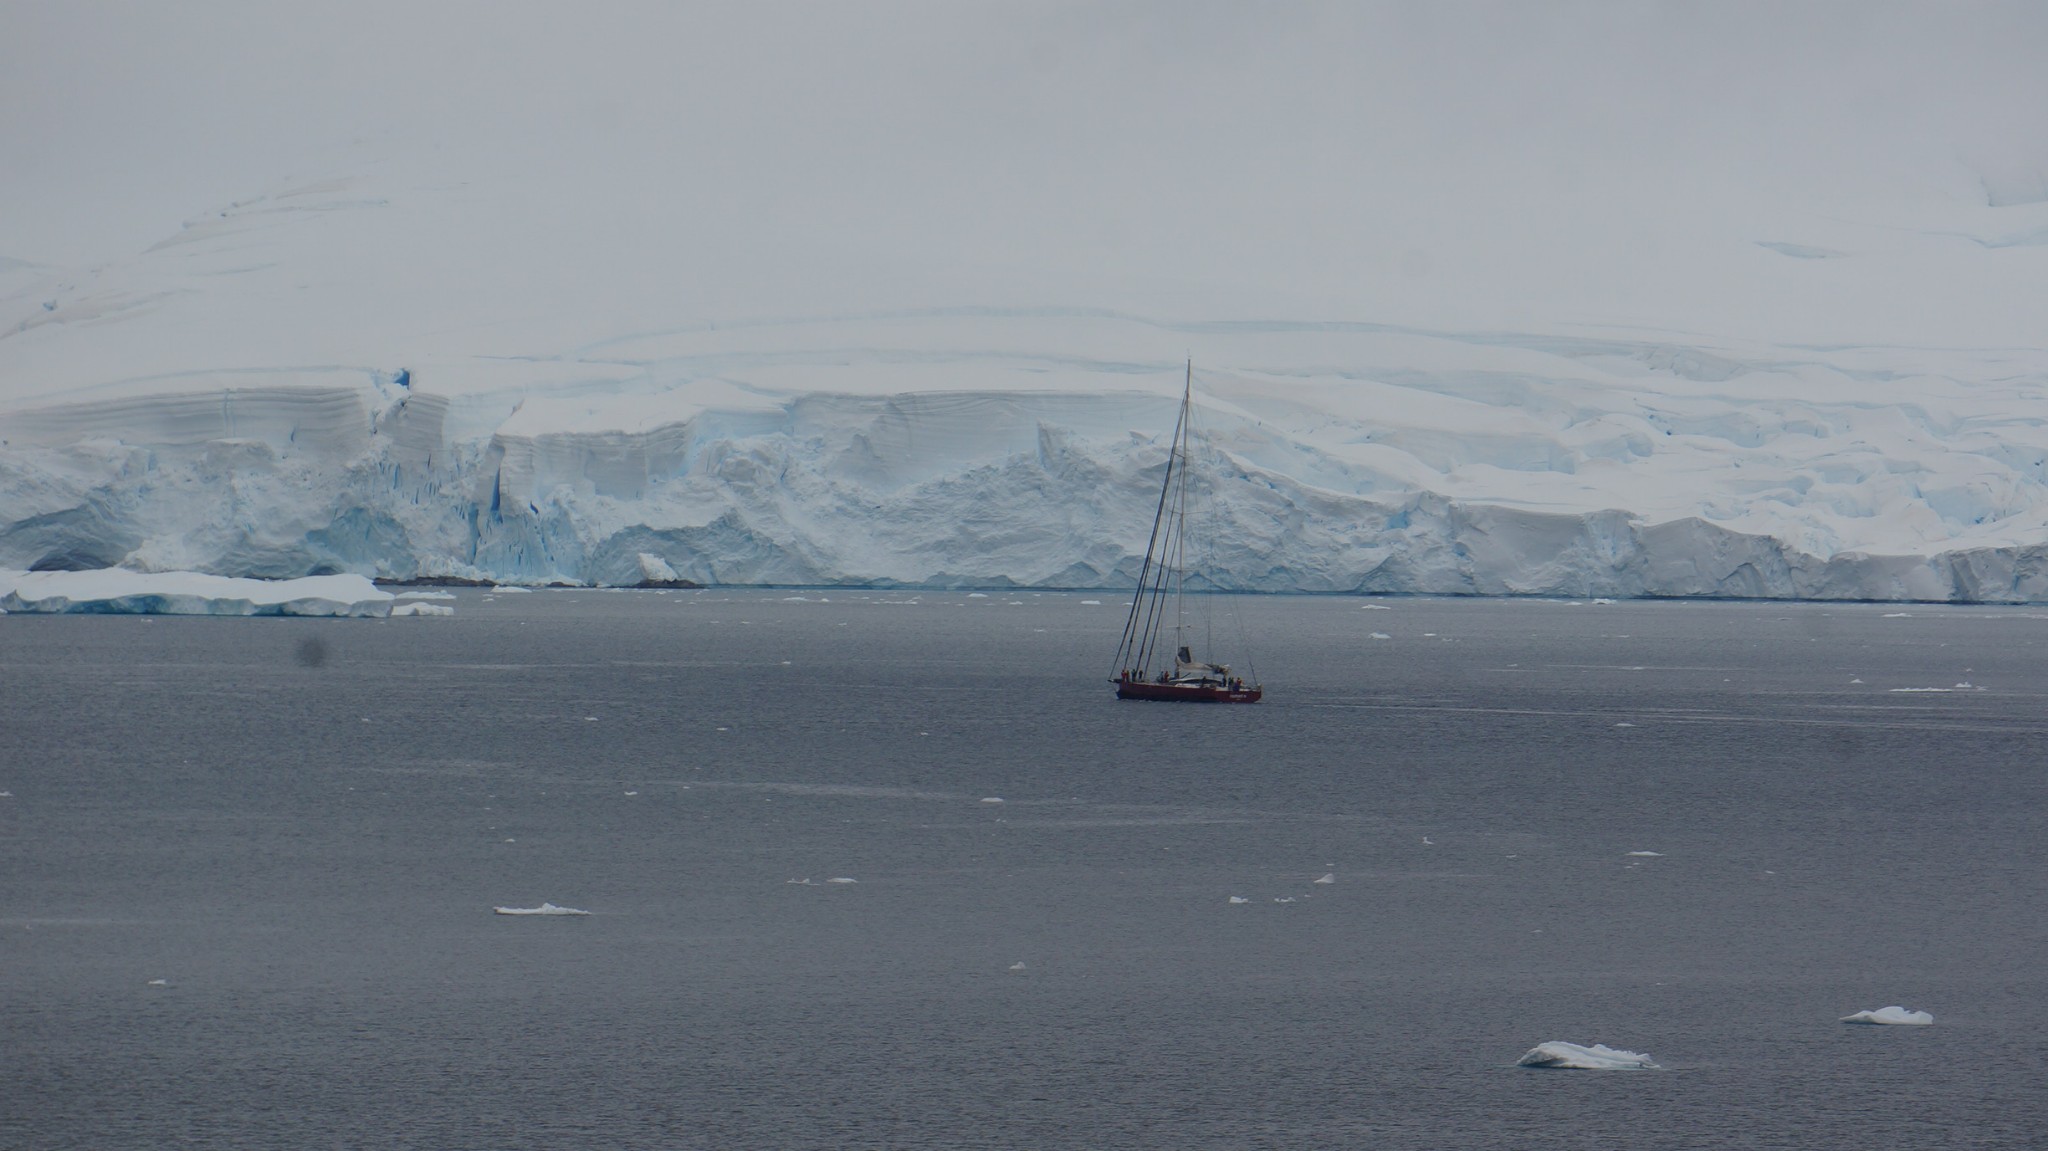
(1207, 158)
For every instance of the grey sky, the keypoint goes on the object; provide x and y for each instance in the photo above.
(1206, 158)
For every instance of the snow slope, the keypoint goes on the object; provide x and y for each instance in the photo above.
(1578, 326)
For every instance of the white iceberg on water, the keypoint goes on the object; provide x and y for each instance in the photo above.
(1893, 1014)
(422, 609)
(1598, 1057)
(543, 909)
(117, 591)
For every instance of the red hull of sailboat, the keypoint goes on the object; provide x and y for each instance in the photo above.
(1184, 693)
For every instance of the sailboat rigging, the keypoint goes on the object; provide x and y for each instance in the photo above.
(1159, 606)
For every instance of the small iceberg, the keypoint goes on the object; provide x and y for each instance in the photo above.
(406, 609)
(1329, 878)
(1894, 1015)
(1239, 899)
(1598, 1057)
(543, 909)
(842, 879)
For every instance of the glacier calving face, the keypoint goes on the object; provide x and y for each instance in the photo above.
(1336, 458)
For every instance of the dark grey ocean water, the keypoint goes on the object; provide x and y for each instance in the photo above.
(301, 827)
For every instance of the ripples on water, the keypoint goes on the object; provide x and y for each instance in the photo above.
(306, 851)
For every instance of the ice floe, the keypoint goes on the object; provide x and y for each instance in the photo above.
(1598, 1057)
(1893, 1015)
(543, 909)
(117, 591)
(406, 609)
(1329, 878)
(1648, 854)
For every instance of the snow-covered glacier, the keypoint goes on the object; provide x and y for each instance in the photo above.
(881, 308)
(1025, 448)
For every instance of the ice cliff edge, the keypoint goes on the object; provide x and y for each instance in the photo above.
(1512, 467)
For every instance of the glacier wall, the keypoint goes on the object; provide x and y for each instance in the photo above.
(1518, 468)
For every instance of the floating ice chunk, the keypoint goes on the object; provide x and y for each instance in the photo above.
(1330, 878)
(1648, 854)
(977, 595)
(1239, 899)
(1603, 601)
(405, 609)
(1381, 635)
(1374, 607)
(1894, 1015)
(842, 879)
(507, 589)
(1428, 842)
(1624, 723)
(116, 591)
(1898, 615)
(1598, 1057)
(1853, 679)
(1017, 966)
(989, 799)
(159, 983)
(426, 595)
(1091, 603)
(543, 909)
(1283, 899)
(804, 882)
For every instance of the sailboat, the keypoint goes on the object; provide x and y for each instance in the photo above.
(1156, 632)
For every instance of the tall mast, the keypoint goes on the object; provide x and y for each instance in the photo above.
(1180, 527)
(1141, 627)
